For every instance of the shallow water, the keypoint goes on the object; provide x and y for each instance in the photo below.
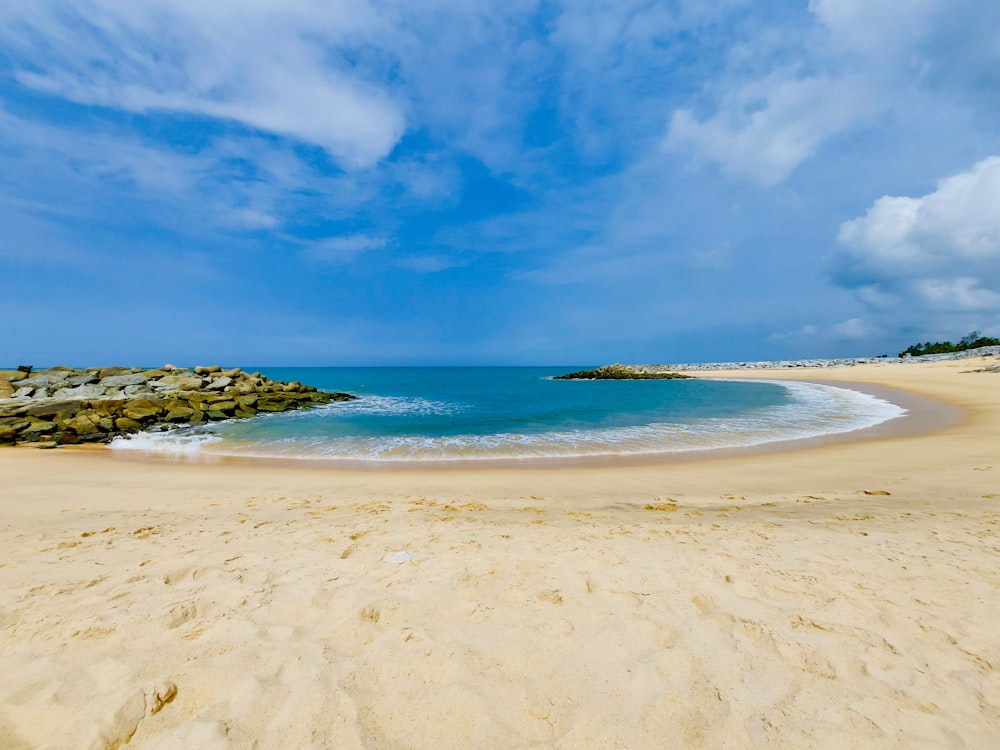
(454, 414)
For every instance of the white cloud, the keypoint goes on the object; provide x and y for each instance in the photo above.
(938, 253)
(273, 68)
(851, 329)
(789, 90)
(428, 263)
(765, 128)
(875, 28)
(343, 248)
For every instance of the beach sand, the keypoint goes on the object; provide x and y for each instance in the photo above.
(844, 594)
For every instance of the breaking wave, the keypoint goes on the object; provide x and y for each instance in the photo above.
(812, 410)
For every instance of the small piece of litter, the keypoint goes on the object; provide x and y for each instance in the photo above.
(400, 557)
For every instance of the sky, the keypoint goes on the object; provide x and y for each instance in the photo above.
(383, 182)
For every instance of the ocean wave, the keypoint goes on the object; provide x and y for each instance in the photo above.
(174, 442)
(813, 410)
(386, 405)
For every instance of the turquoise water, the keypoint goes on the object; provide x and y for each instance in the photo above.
(453, 414)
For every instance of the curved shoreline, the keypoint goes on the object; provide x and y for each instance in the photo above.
(923, 414)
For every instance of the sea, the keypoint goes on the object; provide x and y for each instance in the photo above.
(469, 414)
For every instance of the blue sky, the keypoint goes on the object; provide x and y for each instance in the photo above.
(517, 182)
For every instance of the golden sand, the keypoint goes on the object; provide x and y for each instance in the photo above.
(844, 594)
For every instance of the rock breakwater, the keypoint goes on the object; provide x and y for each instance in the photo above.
(624, 372)
(63, 405)
(985, 351)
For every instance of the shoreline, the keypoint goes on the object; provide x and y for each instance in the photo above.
(923, 414)
(831, 596)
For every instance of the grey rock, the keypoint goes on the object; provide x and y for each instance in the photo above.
(184, 382)
(219, 383)
(50, 407)
(81, 392)
(44, 379)
(119, 381)
(24, 392)
(85, 378)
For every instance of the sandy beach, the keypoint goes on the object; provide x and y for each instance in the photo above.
(833, 595)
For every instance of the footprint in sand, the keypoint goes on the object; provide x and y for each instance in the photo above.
(181, 613)
(109, 724)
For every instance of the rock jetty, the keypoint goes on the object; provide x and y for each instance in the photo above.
(984, 351)
(623, 372)
(62, 405)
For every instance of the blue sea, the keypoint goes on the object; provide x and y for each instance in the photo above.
(406, 414)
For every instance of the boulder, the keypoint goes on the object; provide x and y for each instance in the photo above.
(271, 403)
(120, 381)
(81, 392)
(37, 429)
(142, 410)
(106, 372)
(179, 414)
(219, 383)
(84, 425)
(83, 378)
(44, 379)
(207, 370)
(127, 425)
(13, 376)
(178, 382)
(107, 407)
(7, 434)
(50, 408)
(24, 392)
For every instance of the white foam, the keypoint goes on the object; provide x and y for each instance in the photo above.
(174, 442)
(815, 410)
(385, 405)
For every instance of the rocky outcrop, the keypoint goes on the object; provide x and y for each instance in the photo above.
(623, 372)
(62, 405)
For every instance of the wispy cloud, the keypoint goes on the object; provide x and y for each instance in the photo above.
(268, 68)
(343, 248)
(784, 95)
(765, 128)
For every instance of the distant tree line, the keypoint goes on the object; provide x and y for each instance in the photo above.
(973, 340)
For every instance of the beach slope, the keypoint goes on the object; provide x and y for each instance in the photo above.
(841, 594)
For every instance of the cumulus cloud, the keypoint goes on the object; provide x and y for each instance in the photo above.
(938, 253)
(269, 68)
